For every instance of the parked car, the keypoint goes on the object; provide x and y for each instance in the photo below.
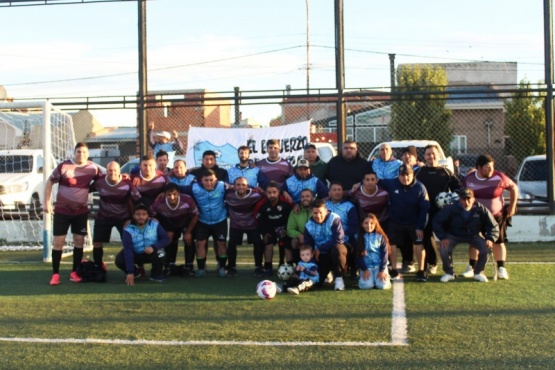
(531, 179)
(398, 146)
(22, 182)
(326, 151)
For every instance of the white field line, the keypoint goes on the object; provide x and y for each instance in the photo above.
(398, 334)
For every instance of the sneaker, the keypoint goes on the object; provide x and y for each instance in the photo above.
(158, 279)
(293, 290)
(502, 273)
(339, 284)
(446, 278)
(221, 272)
(407, 268)
(200, 273)
(469, 272)
(258, 272)
(74, 277)
(188, 271)
(395, 275)
(421, 276)
(329, 278)
(432, 269)
(307, 285)
(301, 287)
(232, 272)
(137, 272)
(55, 280)
(279, 288)
(268, 272)
(481, 277)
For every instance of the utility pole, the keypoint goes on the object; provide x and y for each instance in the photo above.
(143, 86)
(548, 50)
(340, 74)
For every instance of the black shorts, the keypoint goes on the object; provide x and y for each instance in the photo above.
(103, 229)
(236, 236)
(218, 231)
(78, 224)
(501, 220)
(400, 234)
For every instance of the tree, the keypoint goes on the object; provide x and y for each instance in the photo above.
(421, 116)
(525, 122)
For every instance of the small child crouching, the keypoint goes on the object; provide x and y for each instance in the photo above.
(372, 257)
(306, 273)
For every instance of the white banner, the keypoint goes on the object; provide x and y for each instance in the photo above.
(225, 142)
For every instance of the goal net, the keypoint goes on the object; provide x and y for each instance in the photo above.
(34, 138)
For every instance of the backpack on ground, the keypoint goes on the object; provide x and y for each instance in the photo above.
(91, 272)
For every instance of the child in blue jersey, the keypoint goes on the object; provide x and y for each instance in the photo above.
(372, 257)
(307, 272)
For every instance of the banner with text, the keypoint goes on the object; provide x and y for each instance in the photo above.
(225, 142)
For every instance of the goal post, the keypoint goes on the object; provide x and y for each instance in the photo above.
(34, 138)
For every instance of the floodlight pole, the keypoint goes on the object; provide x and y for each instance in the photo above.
(143, 86)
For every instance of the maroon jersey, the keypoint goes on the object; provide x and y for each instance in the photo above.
(177, 217)
(277, 171)
(73, 186)
(377, 203)
(114, 198)
(145, 191)
(489, 191)
(241, 209)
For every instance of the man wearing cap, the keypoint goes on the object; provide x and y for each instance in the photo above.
(317, 166)
(436, 179)
(409, 207)
(465, 222)
(303, 179)
(409, 156)
(163, 141)
(386, 166)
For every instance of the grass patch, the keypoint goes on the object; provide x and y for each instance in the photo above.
(461, 324)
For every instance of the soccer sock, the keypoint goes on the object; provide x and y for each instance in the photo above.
(500, 264)
(98, 253)
(472, 263)
(77, 257)
(223, 261)
(56, 258)
(267, 265)
(201, 263)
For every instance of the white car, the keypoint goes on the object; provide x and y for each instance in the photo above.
(532, 185)
(21, 181)
(398, 146)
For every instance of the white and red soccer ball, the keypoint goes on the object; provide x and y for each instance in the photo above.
(266, 289)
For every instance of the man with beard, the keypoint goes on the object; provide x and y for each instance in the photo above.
(488, 186)
(271, 215)
(347, 167)
(295, 226)
(253, 174)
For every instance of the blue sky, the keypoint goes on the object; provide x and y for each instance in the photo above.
(65, 50)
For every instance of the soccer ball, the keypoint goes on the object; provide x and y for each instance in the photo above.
(454, 197)
(266, 289)
(443, 199)
(284, 272)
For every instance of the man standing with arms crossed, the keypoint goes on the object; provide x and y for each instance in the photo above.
(74, 177)
(114, 207)
(240, 202)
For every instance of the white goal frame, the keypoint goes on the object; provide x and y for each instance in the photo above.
(47, 109)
